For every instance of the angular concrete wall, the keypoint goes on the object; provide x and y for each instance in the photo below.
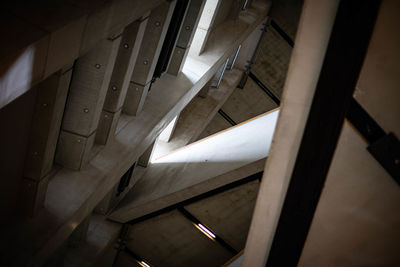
(356, 222)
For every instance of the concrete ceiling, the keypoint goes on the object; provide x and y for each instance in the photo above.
(217, 124)
(246, 103)
(229, 213)
(272, 62)
(171, 239)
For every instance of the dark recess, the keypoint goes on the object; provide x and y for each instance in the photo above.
(170, 38)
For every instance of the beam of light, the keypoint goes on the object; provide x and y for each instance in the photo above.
(144, 264)
(16, 78)
(166, 134)
(244, 143)
(205, 231)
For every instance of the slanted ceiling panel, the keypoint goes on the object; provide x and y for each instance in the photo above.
(228, 214)
(172, 240)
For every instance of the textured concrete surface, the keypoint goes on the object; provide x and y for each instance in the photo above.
(270, 66)
(185, 37)
(81, 191)
(37, 44)
(243, 104)
(287, 14)
(172, 240)
(217, 124)
(182, 173)
(198, 114)
(354, 224)
(272, 61)
(228, 214)
(101, 235)
(248, 102)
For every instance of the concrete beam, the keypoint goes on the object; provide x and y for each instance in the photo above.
(128, 51)
(185, 37)
(113, 197)
(107, 126)
(101, 237)
(177, 61)
(56, 34)
(84, 189)
(308, 55)
(205, 25)
(120, 79)
(167, 133)
(204, 91)
(197, 115)
(150, 49)
(144, 159)
(88, 89)
(205, 162)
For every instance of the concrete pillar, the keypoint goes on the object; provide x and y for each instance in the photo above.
(185, 37)
(78, 236)
(126, 58)
(144, 159)
(91, 77)
(149, 51)
(312, 39)
(206, 22)
(46, 122)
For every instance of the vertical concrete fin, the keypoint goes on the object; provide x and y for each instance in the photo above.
(90, 80)
(185, 37)
(149, 51)
(46, 122)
